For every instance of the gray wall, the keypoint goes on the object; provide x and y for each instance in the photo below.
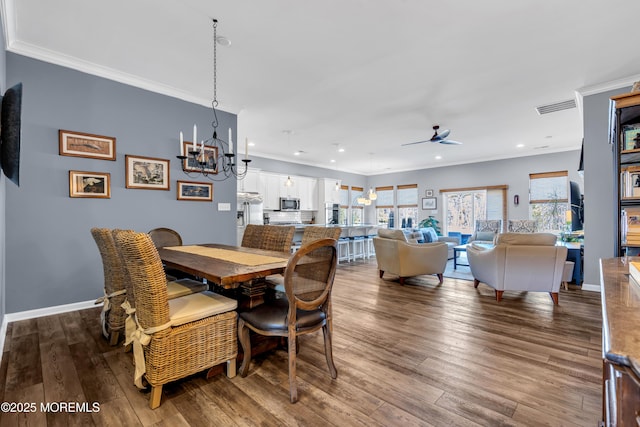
(512, 172)
(600, 200)
(51, 258)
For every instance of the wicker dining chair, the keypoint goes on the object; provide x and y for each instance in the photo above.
(312, 233)
(112, 316)
(173, 338)
(268, 237)
(308, 280)
(117, 286)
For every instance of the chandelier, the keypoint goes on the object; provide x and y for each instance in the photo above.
(213, 158)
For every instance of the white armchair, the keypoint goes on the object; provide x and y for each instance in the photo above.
(397, 256)
(519, 262)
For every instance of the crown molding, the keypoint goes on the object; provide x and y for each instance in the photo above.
(607, 86)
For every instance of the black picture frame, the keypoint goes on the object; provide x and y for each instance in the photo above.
(429, 203)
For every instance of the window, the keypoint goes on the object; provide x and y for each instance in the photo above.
(549, 200)
(384, 207)
(356, 210)
(408, 205)
(344, 205)
(463, 206)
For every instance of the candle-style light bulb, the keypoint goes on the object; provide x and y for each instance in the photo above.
(195, 138)
(230, 142)
(181, 145)
(246, 148)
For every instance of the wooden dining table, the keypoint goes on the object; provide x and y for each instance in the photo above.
(238, 270)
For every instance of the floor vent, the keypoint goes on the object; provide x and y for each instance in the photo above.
(558, 106)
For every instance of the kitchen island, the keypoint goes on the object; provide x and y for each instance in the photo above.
(347, 230)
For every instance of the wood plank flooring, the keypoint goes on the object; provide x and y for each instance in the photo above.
(419, 354)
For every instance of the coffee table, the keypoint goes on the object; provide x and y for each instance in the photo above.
(456, 253)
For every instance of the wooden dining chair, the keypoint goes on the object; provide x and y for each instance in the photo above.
(173, 338)
(163, 237)
(268, 237)
(308, 280)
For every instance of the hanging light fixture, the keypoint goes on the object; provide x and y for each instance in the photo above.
(213, 158)
(288, 182)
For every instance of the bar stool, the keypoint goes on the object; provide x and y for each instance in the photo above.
(370, 250)
(567, 274)
(357, 247)
(343, 250)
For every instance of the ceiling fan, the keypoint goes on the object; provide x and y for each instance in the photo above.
(440, 138)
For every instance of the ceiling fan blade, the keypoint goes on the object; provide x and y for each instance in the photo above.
(440, 136)
(418, 142)
(450, 142)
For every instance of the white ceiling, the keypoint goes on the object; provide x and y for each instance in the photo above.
(364, 75)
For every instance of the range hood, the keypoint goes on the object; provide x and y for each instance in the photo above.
(249, 197)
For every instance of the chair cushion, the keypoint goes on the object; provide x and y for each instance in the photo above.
(192, 307)
(485, 236)
(272, 316)
(392, 234)
(182, 287)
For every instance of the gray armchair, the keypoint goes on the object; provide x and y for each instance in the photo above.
(397, 256)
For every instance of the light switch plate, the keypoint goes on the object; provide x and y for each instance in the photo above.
(224, 206)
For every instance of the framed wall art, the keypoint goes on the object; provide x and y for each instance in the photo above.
(79, 144)
(146, 173)
(429, 203)
(197, 191)
(428, 193)
(90, 184)
(210, 155)
(631, 137)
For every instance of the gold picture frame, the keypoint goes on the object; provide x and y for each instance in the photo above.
(96, 185)
(195, 191)
(78, 144)
(147, 173)
(189, 164)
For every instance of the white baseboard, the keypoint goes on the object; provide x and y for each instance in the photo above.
(591, 288)
(48, 311)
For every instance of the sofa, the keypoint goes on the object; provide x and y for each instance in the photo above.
(429, 235)
(519, 262)
(396, 255)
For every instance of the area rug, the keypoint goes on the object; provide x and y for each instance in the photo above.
(461, 272)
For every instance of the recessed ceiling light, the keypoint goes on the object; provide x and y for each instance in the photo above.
(341, 150)
(252, 144)
(519, 145)
(438, 157)
(332, 160)
(297, 153)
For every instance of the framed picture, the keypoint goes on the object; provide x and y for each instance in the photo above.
(86, 145)
(146, 173)
(210, 155)
(90, 184)
(429, 203)
(198, 191)
(631, 137)
(428, 193)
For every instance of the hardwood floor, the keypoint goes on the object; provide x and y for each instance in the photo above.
(419, 354)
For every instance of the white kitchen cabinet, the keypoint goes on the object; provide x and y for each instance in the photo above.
(251, 182)
(291, 192)
(270, 189)
(327, 191)
(308, 193)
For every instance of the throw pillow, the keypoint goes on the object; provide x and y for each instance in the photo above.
(485, 236)
(429, 234)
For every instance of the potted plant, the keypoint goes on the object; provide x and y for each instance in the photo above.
(432, 222)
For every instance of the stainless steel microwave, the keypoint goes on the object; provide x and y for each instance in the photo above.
(289, 204)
